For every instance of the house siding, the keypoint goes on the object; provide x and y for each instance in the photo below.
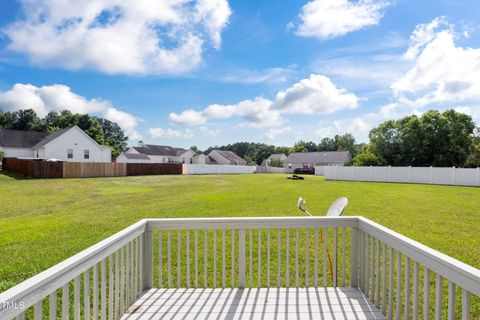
(78, 141)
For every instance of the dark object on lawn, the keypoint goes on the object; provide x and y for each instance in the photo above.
(310, 170)
(295, 177)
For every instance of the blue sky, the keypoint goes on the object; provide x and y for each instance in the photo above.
(215, 72)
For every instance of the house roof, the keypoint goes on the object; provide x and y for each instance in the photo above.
(230, 155)
(319, 157)
(52, 136)
(20, 139)
(136, 156)
(156, 150)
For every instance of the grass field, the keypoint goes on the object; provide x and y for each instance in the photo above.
(45, 221)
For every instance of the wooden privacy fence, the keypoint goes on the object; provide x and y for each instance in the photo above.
(32, 168)
(86, 170)
(46, 169)
(140, 169)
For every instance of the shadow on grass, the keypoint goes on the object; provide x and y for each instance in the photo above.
(13, 175)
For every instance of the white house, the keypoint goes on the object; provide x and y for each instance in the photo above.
(312, 159)
(226, 157)
(70, 144)
(150, 153)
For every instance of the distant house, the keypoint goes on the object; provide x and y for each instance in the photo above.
(311, 159)
(133, 158)
(226, 158)
(70, 144)
(275, 156)
(151, 153)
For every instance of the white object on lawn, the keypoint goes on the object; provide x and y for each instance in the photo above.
(337, 207)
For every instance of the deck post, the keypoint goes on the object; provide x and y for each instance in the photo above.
(148, 261)
(354, 257)
(241, 259)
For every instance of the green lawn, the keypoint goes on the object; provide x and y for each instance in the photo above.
(45, 221)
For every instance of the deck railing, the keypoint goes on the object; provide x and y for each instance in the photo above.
(107, 278)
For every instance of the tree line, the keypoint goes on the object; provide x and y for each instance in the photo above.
(103, 131)
(440, 139)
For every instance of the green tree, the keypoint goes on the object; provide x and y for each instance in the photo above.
(433, 139)
(6, 120)
(276, 163)
(367, 159)
(346, 142)
(114, 137)
(328, 144)
(249, 160)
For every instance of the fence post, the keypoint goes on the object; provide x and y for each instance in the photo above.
(478, 176)
(148, 260)
(430, 173)
(453, 175)
(241, 259)
(389, 173)
(354, 258)
(409, 174)
(371, 173)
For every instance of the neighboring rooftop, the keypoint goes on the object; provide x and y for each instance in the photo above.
(52, 136)
(136, 156)
(21, 139)
(157, 150)
(319, 157)
(230, 155)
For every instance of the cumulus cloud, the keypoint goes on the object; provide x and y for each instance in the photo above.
(119, 36)
(188, 117)
(442, 71)
(325, 19)
(315, 95)
(272, 133)
(163, 133)
(59, 97)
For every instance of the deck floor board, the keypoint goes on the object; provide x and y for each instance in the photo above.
(253, 303)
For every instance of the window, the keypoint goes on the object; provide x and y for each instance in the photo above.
(86, 154)
(70, 153)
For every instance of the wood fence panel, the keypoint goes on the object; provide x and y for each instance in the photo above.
(33, 168)
(90, 170)
(139, 169)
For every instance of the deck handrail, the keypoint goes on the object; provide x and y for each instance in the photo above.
(41, 285)
(126, 263)
(450, 268)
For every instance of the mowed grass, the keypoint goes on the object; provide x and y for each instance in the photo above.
(42, 222)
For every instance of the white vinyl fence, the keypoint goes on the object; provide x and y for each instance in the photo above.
(265, 169)
(428, 175)
(217, 169)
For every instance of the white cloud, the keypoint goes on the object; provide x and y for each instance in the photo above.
(210, 132)
(269, 76)
(443, 72)
(119, 36)
(325, 19)
(324, 131)
(272, 133)
(315, 95)
(164, 133)
(188, 117)
(59, 97)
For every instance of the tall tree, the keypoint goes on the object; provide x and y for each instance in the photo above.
(328, 144)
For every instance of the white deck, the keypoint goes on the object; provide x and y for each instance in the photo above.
(263, 303)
